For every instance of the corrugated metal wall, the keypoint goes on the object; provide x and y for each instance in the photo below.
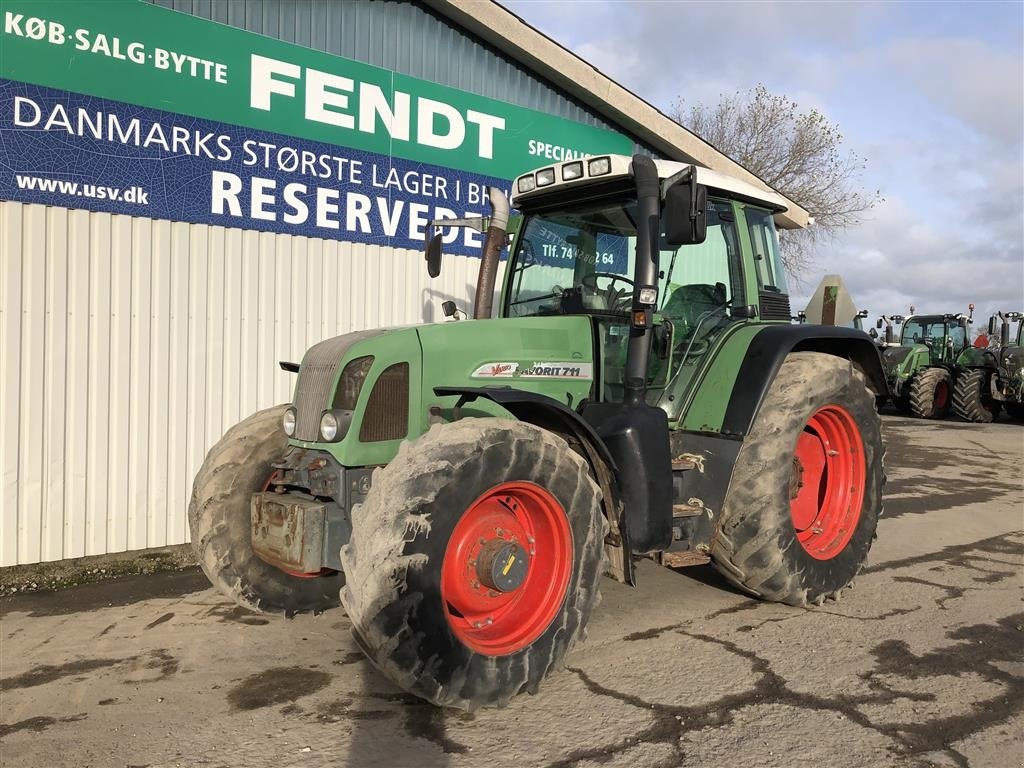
(129, 345)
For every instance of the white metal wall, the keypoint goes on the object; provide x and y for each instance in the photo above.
(128, 346)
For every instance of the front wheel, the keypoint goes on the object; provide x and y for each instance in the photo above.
(474, 562)
(806, 493)
(930, 394)
(219, 518)
(972, 400)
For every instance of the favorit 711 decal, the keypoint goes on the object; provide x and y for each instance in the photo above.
(555, 370)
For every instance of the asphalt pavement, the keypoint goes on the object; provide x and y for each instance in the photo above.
(921, 663)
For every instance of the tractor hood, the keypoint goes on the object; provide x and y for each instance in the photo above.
(551, 356)
(892, 356)
(379, 384)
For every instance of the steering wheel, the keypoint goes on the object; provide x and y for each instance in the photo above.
(613, 297)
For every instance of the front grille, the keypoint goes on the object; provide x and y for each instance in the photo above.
(774, 306)
(316, 381)
(387, 412)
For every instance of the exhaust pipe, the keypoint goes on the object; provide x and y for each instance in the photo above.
(645, 176)
(493, 243)
(1004, 331)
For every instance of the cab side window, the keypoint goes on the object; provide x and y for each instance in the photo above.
(771, 275)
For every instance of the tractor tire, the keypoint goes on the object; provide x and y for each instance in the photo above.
(431, 532)
(219, 518)
(1015, 411)
(971, 398)
(930, 394)
(806, 492)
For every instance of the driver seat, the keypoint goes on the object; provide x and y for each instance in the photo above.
(687, 303)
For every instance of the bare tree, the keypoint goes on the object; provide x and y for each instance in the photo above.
(797, 151)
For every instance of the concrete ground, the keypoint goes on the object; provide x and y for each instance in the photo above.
(921, 663)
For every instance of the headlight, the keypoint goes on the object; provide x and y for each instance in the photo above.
(600, 166)
(288, 422)
(572, 171)
(328, 426)
(526, 183)
(545, 177)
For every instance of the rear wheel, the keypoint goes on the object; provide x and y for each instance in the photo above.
(972, 400)
(806, 493)
(930, 394)
(474, 562)
(219, 516)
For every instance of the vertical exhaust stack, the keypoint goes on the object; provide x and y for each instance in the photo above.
(648, 198)
(1004, 331)
(493, 243)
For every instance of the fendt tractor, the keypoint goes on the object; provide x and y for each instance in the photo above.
(922, 369)
(464, 485)
(994, 377)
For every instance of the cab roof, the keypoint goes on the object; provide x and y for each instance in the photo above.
(620, 167)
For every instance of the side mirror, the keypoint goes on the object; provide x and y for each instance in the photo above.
(685, 214)
(992, 326)
(433, 255)
(878, 323)
(873, 333)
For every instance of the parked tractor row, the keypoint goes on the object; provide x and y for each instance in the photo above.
(934, 369)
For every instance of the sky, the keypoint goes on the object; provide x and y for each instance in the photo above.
(931, 95)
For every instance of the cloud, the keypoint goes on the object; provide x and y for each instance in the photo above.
(931, 95)
(893, 261)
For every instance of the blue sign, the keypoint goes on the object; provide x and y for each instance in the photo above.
(74, 151)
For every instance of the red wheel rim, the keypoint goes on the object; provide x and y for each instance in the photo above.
(829, 471)
(941, 396)
(494, 622)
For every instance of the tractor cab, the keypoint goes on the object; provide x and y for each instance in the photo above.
(576, 255)
(945, 336)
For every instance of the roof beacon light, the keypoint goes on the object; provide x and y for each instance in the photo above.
(572, 171)
(545, 177)
(599, 166)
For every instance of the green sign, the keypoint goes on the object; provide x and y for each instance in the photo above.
(134, 52)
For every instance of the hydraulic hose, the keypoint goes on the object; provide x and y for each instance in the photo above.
(493, 243)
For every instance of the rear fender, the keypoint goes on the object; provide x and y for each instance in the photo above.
(768, 350)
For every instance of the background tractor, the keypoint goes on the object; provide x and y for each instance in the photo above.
(464, 485)
(993, 373)
(922, 368)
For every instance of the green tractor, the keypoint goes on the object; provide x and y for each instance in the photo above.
(993, 375)
(922, 368)
(463, 486)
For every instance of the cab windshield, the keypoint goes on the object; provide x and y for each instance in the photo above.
(930, 330)
(581, 261)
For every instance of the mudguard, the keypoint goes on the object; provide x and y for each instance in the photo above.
(769, 348)
(549, 413)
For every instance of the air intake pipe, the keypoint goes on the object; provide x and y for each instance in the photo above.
(648, 198)
(493, 243)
